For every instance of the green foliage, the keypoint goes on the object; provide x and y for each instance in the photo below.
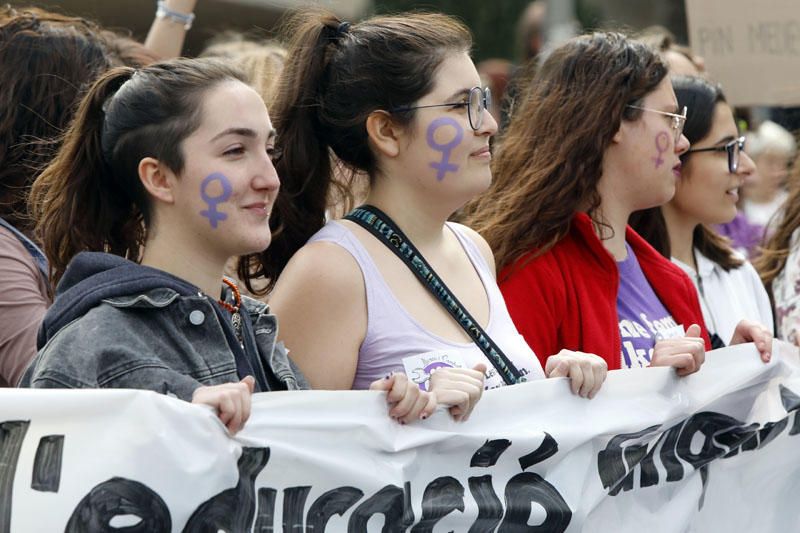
(493, 22)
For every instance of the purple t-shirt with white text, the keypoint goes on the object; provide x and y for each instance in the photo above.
(641, 314)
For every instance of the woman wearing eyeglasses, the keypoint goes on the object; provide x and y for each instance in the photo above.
(397, 98)
(712, 173)
(596, 137)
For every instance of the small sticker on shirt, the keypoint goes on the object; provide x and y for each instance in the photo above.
(673, 332)
(419, 367)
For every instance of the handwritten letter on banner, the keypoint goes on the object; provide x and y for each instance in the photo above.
(752, 48)
(717, 451)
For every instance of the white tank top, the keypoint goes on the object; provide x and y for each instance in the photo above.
(393, 334)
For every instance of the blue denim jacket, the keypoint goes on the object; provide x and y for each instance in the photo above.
(158, 339)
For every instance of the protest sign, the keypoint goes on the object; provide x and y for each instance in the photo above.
(751, 48)
(715, 451)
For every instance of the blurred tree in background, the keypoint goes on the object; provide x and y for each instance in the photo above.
(494, 22)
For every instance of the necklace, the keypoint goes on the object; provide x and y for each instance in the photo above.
(236, 317)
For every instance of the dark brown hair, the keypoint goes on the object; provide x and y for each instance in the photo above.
(701, 97)
(334, 77)
(90, 196)
(128, 52)
(45, 61)
(549, 161)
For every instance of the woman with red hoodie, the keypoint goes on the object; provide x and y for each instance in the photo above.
(596, 136)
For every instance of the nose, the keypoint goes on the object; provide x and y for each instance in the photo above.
(489, 124)
(682, 145)
(267, 176)
(746, 167)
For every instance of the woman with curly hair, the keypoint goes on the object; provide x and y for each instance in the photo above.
(597, 136)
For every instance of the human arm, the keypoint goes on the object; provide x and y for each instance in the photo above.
(586, 371)
(459, 388)
(166, 36)
(231, 401)
(322, 314)
(686, 354)
(748, 331)
(23, 302)
(407, 402)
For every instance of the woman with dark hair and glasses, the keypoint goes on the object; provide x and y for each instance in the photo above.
(399, 99)
(712, 172)
(597, 136)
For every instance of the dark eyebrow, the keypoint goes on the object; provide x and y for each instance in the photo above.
(242, 132)
(725, 140)
(272, 135)
(457, 94)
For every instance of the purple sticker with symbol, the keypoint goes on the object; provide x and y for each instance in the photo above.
(214, 216)
(662, 145)
(444, 166)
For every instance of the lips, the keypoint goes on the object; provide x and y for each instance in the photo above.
(677, 169)
(259, 208)
(482, 152)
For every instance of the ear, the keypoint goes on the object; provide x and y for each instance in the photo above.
(619, 135)
(384, 134)
(157, 179)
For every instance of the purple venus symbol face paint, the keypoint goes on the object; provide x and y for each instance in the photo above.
(214, 216)
(444, 166)
(662, 145)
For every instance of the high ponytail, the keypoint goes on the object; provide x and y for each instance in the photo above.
(335, 76)
(74, 202)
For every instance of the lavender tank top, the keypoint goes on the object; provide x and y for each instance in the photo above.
(393, 334)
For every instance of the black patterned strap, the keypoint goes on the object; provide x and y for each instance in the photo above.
(381, 226)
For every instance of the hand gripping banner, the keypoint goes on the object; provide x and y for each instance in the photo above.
(715, 451)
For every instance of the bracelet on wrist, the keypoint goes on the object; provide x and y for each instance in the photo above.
(163, 12)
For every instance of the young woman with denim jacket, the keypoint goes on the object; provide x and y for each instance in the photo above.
(164, 175)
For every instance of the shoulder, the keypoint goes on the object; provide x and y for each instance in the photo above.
(479, 241)
(71, 357)
(320, 275)
(14, 257)
(322, 263)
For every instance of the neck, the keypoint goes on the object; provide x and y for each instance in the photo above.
(420, 219)
(680, 229)
(180, 258)
(612, 234)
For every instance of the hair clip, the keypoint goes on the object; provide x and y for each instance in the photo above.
(342, 29)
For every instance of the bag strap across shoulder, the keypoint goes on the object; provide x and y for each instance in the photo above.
(384, 229)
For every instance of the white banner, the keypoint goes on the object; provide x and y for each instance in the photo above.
(716, 451)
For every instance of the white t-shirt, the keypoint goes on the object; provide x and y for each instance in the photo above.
(728, 297)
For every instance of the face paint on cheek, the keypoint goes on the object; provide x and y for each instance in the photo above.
(444, 166)
(662, 145)
(225, 188)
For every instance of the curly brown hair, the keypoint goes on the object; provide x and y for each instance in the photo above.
(549, 161)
